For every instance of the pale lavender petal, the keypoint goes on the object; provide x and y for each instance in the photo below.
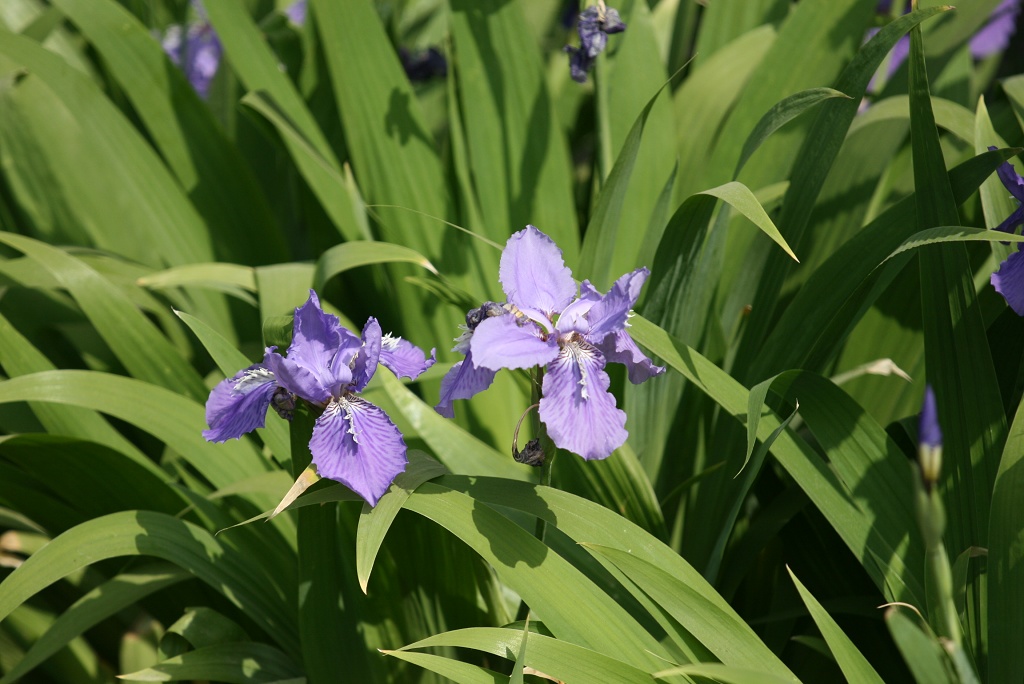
(366, 360)
(296, 12)
(574, 317)
(321, 345)
(298, 380)
(355, 443)
(403, 358)
(462, 381)
(1009, 281)
(533, 273)
(577, 409)
(239, 404)
(502, 342)
(619, 347)
(202, 55)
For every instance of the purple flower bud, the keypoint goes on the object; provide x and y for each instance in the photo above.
(595, 25)
(928, 433)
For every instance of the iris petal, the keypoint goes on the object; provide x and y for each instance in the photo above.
(533, 273)
(298, 380)
(577, 409)
(355, 443)
(366, 360)
(320, 344)
(239, 404)
(501, 342)
(619, 347)
(1009, 281)
(609, 314)
(403, 358)
(462, 381)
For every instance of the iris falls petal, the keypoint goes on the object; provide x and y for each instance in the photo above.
(577, 409)
(239, 404)
(355, 443)
(1009, 281)
(462, 381)
(403, 358)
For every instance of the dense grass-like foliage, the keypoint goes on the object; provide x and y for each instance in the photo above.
(813, 187)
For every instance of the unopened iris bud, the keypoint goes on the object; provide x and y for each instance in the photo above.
(488, 310)
(929, 437)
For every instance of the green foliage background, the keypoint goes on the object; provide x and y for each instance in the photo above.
(766, 503)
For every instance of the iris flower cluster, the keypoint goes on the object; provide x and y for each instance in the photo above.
(353, 442)
(572, 334)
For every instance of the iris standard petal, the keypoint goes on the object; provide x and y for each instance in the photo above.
(577, 409)
(239, 404)
(533, 273)
(462, 381)
(1009, 281)
(609, 314)
(619, 347)
(298, 380)
(501, 342)
(355, 443)
(365, 364)
(317, 339)
(403, 358)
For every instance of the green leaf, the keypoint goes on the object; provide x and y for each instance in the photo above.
(779, 115)
(143, 350)
(1006, 560)
(740, 198)
(554, 657)
(949, 115)
(459, 672)
(575, 609)
(374, 522)
(216, 179)
(341, 258)
(724, 674)
(941, 234)
(230, 278)
(957, 356)
(105, 600)
(851, 661)
(517, 669)
(322, 173)
(241, 663)
(133, 533)
(518, 156)
(927, 661)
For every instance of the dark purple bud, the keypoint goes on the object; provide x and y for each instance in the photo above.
(579, 64)
(283, 402)
(929, 434)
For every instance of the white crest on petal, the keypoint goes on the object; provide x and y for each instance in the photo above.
(345, 405)
(251, 378)
(389, 343)
(580, 352)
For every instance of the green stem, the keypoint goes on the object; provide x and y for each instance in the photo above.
(604, 130)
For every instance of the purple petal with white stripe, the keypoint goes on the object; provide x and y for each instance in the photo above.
(501, 342)
(403, 358)
(239, 404)
(619, 347)
(1009, 281)
(577, 409)
(533, 273)
(462, 381)
(355, 443)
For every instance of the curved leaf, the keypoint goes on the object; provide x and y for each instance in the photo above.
(350, 255)
(241, 663)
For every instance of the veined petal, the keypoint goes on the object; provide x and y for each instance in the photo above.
(355, 443)
(239, 404)
(298, 380)
(403, 358)
(321, 345)
(609, 313)
(1009, 281)
(502, 342)
(619, 347)
(533, 273)
(462, 381)
(366, 359)
(574, 317)
(577, 409)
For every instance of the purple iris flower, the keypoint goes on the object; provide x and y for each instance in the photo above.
(595, 25)
(197, 53)
(1009, 279)
(423, 65)
(354, 442)
(546, 323)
